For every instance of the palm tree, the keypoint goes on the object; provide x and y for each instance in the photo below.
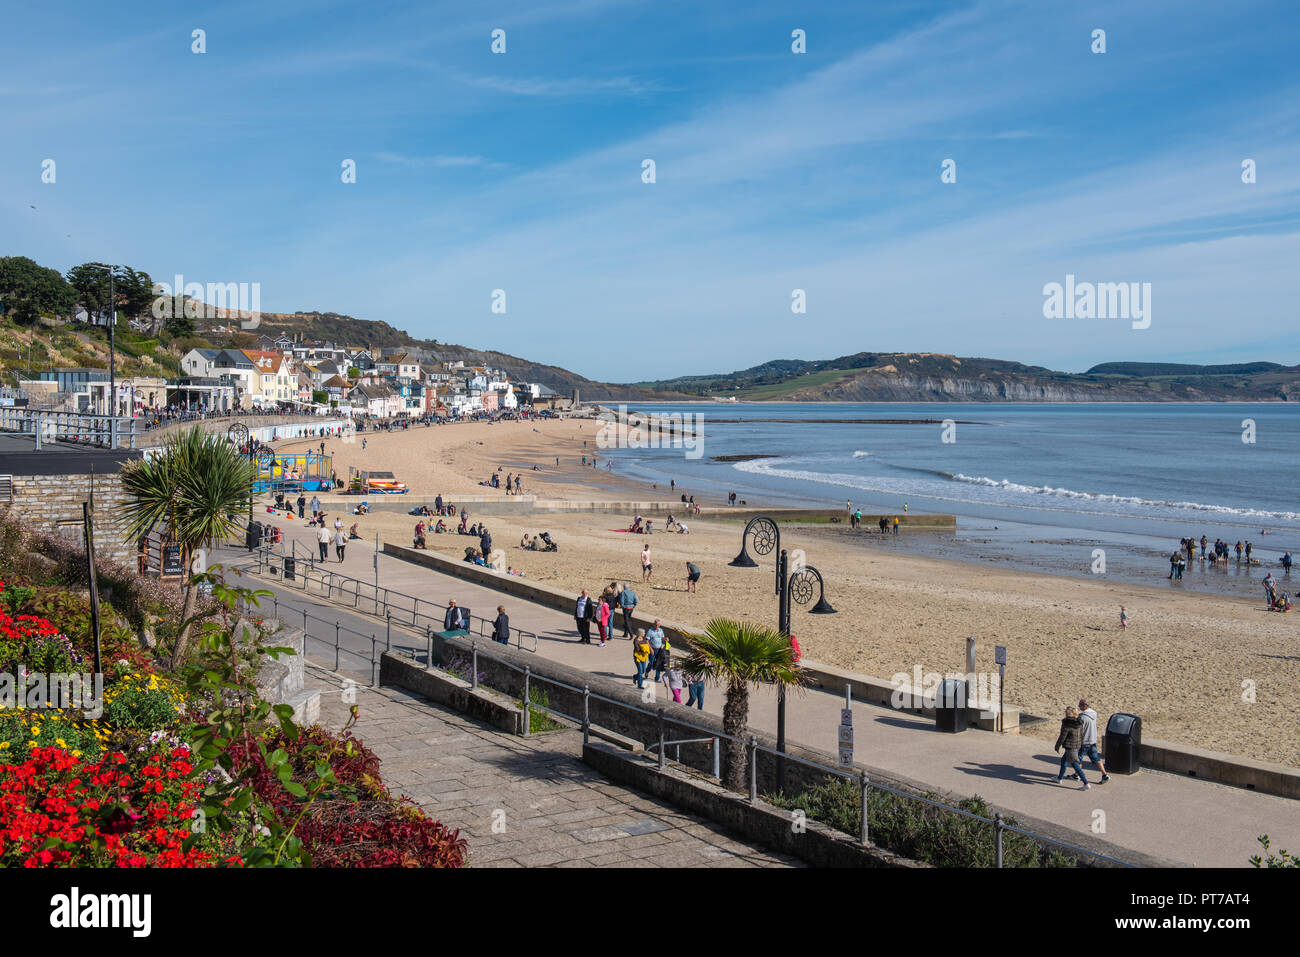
(739, 654)
(190, 490)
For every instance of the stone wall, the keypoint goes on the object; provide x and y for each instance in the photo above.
(52, 503)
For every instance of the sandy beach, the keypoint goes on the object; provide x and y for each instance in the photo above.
(1209, 671)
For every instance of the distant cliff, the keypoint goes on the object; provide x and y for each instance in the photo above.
(933, 377)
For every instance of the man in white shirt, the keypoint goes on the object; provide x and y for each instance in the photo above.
(1088, 749)
(323, 539)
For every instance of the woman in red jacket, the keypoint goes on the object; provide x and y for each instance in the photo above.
(602, 620)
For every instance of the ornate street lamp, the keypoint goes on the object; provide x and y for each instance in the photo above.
(796, 587)
(767, 538)
(238, 436)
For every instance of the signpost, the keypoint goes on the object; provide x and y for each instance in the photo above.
(1000, 656)
(846, 729)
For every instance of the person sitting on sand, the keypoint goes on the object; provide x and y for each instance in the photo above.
(526, 541)
(352, 532)
(440, 527)
(683, 529)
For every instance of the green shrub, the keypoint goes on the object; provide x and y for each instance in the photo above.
(918, 830)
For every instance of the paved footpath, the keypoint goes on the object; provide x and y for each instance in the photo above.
(1166, 815)
(549, 809)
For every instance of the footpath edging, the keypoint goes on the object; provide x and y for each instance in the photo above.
(1229, 769)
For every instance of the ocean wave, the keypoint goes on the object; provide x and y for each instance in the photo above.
(1005, 493)
(860, 454)
(1107, 498)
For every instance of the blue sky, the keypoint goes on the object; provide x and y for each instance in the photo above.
(775, 171)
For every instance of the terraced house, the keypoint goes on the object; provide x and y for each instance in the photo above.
(273, 382)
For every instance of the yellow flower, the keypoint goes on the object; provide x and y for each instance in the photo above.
(61, 743)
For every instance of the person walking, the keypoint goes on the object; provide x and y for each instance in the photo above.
(583, 612)
(1070, 739)
(658, 646)
(315, 506)
(501, 626)
(627, 602)
(602, 620)
(641, 652)
(895, 524)
(1270, 588)
(454, 620)
(692, 576)
(323, 540)
(302, 505)
(1088, 736)
(646, 567)
(340, 542)
(673, 679)
(1123, 618)
(695, 690)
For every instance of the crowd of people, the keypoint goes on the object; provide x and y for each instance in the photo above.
(1220, 553)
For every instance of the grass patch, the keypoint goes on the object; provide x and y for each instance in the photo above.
(539, 720)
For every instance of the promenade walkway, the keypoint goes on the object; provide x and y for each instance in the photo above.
(526, 802)
(1191, 821)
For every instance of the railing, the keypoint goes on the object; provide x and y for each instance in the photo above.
(754, 748)
(367, 598)
(332, 581)
(45, 428)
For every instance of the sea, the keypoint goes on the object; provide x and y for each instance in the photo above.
(1041, 487)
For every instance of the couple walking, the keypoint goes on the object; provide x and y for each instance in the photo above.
(1079, 737)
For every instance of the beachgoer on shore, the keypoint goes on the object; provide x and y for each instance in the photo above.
(1071, 739)
(647, 569)
(692, 576)
(323, 540)
(501, 626)
(895, 524)
(1123, 617)
(340, 542)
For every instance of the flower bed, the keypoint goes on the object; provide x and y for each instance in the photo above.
(199, 774)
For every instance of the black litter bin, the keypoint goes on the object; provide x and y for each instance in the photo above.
(1123, 751)
(950, 706)
(290, 568)
(254, 535)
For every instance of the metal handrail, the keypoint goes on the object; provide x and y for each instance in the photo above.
(755, 748)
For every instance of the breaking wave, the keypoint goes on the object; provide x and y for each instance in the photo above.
(982, 490)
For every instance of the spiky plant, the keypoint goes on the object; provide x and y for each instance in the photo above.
(188, 491)
(738, 655)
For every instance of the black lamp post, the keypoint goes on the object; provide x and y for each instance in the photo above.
(238, 436)
(796, 587)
